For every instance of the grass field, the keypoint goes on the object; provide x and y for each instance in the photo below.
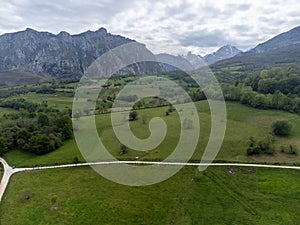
(217, 196)
(242, 123)
(53, 100)
(63, 155)
(6, 111)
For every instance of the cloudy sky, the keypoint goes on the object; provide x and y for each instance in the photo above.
(175, 26)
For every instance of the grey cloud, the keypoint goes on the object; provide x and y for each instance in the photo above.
(241, 28)
(238, 7)
(63, 15)
(206, 25)
(204, 38)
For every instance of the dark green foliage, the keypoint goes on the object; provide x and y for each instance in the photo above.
(196, 94)
(36, 134)
(253, 151)
(39, 144)
(63, 125)
(133, 116)
(3, 145)
(43, 120)
(123, 149)
(264, 145)
(281, 128)
(19, 103)
(75, 160)
(276, 88)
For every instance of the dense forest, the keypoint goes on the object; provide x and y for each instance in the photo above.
(276, 88)
(36, 128)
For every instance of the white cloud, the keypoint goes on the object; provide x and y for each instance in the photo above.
(171, 26)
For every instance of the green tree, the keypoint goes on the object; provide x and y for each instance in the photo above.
(3, 145)
(75, 160)
(39, 144)
(123, 149)
(63, 125)
(43, 119)
(133, 115)
(282, 128)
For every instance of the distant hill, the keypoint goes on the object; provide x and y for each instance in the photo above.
(281, 51)
(285, 39)
(224, 52)
(229, 69)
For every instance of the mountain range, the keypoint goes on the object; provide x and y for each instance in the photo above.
(30, 56)
(55, 55)
(224, 52)
(281, 51)
(196, 61)
(43, 55)
(285, 39)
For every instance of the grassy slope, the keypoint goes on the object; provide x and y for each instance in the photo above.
(248, 196)
(53, 100)
(14, 78)
(242, 123)
(6, 111)
(63, 155)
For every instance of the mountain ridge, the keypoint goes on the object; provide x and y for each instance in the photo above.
(59, 56)
(225, 52)
(287, 38)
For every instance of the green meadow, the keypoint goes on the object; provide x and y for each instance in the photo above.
(4, 111)
(219, 195)
(53, 100)
(242, 123)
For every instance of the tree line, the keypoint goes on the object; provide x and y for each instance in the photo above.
(276, 88)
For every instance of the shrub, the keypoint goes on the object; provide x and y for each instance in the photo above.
(293, 150)
(262, 146)
(281, 128)
(75, 160)
(133, 116)
(123, 149)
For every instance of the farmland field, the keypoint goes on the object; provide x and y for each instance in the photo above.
(242, 123)
(6, 111)
(220, 195)
(53, 100)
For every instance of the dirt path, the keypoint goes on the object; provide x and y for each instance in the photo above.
(9, 171)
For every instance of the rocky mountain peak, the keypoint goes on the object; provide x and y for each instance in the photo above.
(225, 52)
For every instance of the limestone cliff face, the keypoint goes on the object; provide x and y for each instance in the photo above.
(56, 56)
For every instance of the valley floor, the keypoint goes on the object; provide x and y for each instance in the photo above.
(219, 195)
